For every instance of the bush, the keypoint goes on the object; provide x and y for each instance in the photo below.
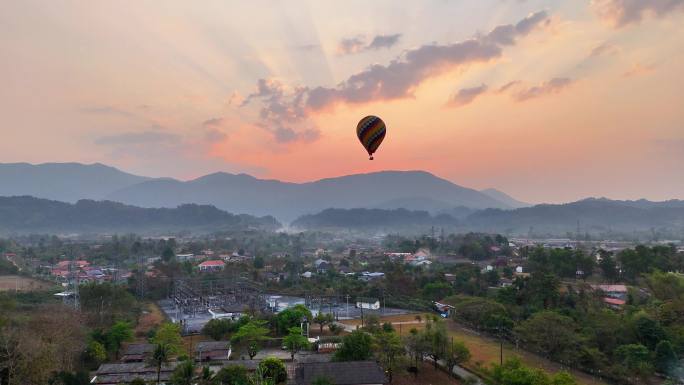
(274, 369)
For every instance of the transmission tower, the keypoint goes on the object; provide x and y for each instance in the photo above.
(140, 282)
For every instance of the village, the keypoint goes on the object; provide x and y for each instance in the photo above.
(195, 291)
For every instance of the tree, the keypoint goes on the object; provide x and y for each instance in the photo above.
(356, 346)
(665, 357)
(456, 353)
(390, 349)
(138, 381)
(435, 335)
(295, 341)
(292, 317)
(608, 266)
(550, 334)
(273, 368)
(258, 262)
(183, 374)
(513, 372)
(416, 345)
(218, 328)
(648, 331)
(323, 319)
(437, 290)
(160, 356)
(636, 358)
(232, 375)
(169, 335)
(168, 254)
(250, 336)
(96, 352)
(120, 332)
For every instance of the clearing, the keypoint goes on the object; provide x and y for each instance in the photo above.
(20, 283)
(484, 350)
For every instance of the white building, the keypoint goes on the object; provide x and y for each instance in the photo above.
(368, 304)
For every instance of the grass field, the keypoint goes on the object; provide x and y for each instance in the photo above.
(484, 350)
(17, 282)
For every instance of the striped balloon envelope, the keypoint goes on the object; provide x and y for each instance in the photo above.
(371, 131)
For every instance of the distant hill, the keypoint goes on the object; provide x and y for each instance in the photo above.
(243, 193)
(504, 198)
(67, 182)
(371, 219)
(593, 215)
(25, 214)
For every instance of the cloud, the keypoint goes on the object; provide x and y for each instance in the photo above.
(358, 44)
(552, 86)
(214, 135)
(107, 110)
(400, 78)
(506, 34)
(467, 95)
(620, 13)
(213, 122)
(384, 41)
(137, 138)
(283, 109)
(508, 86)
(351, 45)
(639, 69)
(603, 49)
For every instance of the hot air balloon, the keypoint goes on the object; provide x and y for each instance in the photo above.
(371, 131)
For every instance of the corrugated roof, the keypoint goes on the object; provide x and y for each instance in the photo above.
(341, 373)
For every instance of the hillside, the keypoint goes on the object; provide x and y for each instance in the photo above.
(593, 215)
(33, 215)
(243, 193)
(371, 219)
(67, 182)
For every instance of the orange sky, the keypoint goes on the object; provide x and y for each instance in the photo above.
(593, 105)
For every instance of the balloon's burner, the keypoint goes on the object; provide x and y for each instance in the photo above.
(371, 157)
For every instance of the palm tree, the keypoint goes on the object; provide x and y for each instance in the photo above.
(184, 374)
(160, 356)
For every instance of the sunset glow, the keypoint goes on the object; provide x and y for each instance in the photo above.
(549, 101)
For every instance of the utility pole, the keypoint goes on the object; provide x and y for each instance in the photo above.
(347, 305)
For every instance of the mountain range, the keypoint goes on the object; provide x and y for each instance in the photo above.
(241, 193)
(598, 217)
(24, 214)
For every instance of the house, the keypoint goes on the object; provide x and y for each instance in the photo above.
(212, 351)
(443, 309)
(612, 291)
(185, 257)
(614, 303)
(422, 262)
(372, 304)
(322, 266)
(340, 373)
(307, 274)
(137, 353)
(211, 266)
(368, 276)
(115, 374)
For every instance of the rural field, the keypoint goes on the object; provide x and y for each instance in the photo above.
(17, 282)
(485, 350)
